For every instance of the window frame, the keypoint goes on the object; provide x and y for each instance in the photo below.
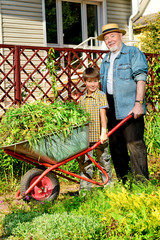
(101, 15)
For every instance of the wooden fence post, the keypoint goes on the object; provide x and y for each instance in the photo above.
(17, 76)
(69, 75)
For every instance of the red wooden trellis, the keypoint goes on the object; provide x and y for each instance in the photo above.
(24, 76)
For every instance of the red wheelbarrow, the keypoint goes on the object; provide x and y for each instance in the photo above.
(41, 182)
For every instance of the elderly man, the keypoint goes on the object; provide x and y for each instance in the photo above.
(123, 75)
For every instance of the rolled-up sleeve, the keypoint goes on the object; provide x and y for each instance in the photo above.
(139, 66)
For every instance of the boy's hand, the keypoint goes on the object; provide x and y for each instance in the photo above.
(103, 118)
(103, 138)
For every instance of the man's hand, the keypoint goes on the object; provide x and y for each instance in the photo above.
(137, 110)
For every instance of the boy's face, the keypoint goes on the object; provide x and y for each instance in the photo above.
(91, 84)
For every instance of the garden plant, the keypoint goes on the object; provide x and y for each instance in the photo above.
(150, 44)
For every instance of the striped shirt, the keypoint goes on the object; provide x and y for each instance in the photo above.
(92, 104)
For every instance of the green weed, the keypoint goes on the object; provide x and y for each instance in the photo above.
(38, 119)
(152, 133)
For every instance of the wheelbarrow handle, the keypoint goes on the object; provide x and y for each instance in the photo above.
(120, 124)
(115, 128)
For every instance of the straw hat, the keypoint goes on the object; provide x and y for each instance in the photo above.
(111, 27)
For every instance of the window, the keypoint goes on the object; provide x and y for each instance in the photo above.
(72, 30)
(92, 20)
(71, 22)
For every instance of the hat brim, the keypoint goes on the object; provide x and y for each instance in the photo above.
(101, 37)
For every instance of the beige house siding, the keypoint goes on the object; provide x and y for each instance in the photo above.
(22, 22)
(119, 11)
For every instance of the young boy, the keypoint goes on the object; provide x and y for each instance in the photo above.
(94, 102)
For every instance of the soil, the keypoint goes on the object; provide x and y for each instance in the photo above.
(5, 200)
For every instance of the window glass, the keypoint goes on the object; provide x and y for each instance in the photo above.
(72, 31)
(51, 22)
(92, 22)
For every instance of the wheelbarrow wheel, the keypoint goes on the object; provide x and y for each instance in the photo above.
(46, 189)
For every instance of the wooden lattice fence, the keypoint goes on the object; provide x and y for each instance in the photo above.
(24, 76)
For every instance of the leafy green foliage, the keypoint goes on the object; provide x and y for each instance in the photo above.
(153, 86)
(72, 166)
(51, 67)
(152, 140)
(150, 40)
(133, 216)
(113, 213)
(152, 133)
(150, 36)
(11, 170)
(35, 120)
(58, 227)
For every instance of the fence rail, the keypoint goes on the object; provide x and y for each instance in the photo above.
(24, 76)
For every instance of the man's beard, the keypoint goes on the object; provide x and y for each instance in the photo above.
(114, 49)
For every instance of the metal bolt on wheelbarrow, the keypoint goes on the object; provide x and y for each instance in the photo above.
(41, 182)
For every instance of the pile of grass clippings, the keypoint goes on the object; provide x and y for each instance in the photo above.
(35, 120)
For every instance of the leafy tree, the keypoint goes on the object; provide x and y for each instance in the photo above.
(150, 36)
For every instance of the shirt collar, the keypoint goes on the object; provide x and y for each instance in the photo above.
(93, 95)
(123, 51)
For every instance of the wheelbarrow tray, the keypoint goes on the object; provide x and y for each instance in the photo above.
(55, 147)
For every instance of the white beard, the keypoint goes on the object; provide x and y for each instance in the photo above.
(114, 49)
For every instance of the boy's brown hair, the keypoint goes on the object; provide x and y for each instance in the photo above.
(91, 72)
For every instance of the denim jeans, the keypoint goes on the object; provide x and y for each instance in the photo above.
(127, 139)
(86, 166)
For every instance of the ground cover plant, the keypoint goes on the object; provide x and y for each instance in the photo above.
(121, 212)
